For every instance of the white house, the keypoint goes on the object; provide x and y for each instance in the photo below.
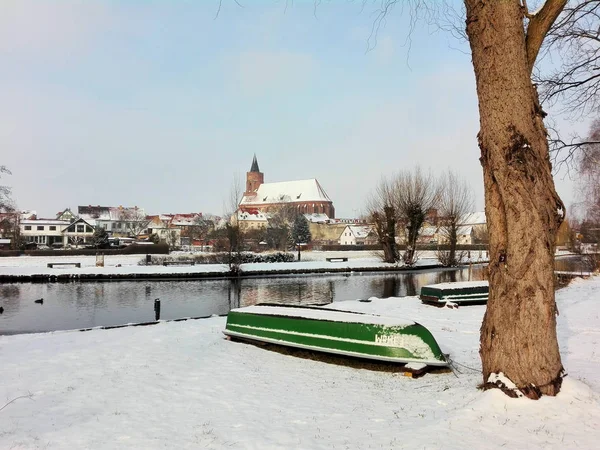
(358, 235)
(79, 232)
(43, 231)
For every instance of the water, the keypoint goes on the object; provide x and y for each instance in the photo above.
(88, 304)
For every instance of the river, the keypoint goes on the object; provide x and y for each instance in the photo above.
(78, 305)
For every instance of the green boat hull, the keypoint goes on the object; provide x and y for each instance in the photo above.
(338, 332)
(475, 292)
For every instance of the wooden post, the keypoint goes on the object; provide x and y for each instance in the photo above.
(156, 309)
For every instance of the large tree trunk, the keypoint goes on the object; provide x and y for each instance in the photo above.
(518, 334)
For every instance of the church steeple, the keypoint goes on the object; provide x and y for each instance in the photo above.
(254, 167)
(254, 178)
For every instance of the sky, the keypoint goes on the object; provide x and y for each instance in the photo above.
(161, 104)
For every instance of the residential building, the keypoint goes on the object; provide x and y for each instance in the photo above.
(43, 231)
(475, 226)
(251, 220)
(67, 215)
(79, 232)
(358, 235)
(118, 221)
(162, 226)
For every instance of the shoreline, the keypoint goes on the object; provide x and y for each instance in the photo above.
(198, 275)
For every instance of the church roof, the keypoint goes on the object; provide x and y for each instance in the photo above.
(287, 192)
(254, 167)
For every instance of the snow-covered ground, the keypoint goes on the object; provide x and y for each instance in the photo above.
(129, 264)
(182, 385)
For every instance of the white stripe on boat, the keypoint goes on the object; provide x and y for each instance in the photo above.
(433, 362)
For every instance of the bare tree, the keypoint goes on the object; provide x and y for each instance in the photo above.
(234, 233)
(416, 194)
(9, 216)
(6, 203)
(573, 85)
(456, 201)
(279, 230)
(381, 209)
(200, 227)
(588, 180)
(135, 220)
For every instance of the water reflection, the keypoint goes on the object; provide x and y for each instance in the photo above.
(89, 304)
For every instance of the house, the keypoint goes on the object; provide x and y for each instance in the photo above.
(79, 232)
(428, 235)
(478, 227)
(67, 215)
(358, 235)
(305, 196)
(118, 221)
(27, 214)
(43, 231)
(251, 220)
(161, 225)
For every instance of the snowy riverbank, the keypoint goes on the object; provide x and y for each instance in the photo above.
(21, 268)
(182, 385)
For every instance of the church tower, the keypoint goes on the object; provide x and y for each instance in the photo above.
(254, 178)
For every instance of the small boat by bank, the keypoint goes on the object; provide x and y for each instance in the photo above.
(338, 332)
(459, 293)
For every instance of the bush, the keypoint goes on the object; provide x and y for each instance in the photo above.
(223, 258)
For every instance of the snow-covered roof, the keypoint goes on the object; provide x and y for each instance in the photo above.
(28, 214)
(288, 191)
(71, 225)
(428, 231)
(360, 231)
(248, 216)
(44, 222)
(474, 218)
(317, 218)
(109, 212)
(464, 230)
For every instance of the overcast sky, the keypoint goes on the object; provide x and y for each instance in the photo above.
(156, 104)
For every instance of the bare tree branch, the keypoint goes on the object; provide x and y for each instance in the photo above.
(539, 25)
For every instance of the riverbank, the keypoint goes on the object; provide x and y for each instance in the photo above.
(34, 268)
(182, 385)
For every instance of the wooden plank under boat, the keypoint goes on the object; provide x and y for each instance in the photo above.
(339, 332)
(463, 292)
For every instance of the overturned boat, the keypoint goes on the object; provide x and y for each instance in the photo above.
(339, 332)
(459, 293)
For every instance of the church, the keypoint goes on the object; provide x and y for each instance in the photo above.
(307, 196)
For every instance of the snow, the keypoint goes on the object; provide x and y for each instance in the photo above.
(324, 314)
(288, 191)
(182, 385)
(128, 264)
(460, 285)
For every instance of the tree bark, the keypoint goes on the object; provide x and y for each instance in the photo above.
(518, 334)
